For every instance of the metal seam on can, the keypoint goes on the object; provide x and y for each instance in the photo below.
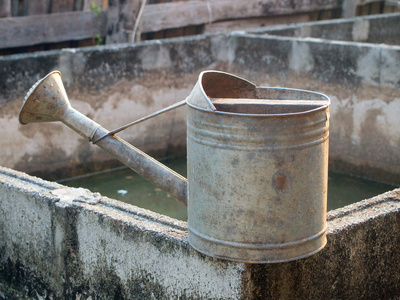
(232, 127)
(247, 138)
(258, 246)
(274, 148)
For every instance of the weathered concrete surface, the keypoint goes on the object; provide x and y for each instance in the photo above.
(60, 242)
(64, 243)
(117, 84)
(362, 82)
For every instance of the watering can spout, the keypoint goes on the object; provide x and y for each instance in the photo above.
(47, 101)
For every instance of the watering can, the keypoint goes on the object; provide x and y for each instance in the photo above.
(257, 161)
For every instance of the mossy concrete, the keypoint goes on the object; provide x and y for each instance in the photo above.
(64, 243)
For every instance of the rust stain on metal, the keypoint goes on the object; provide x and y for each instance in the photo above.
(280, 182)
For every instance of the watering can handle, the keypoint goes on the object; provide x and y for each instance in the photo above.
(159, 112)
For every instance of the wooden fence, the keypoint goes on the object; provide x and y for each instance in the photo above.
(26, 23)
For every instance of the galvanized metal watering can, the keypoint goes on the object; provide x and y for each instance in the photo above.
(257, 164)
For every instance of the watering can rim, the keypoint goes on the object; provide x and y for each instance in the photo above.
(200, 80)
(206, 97)
(325, 100)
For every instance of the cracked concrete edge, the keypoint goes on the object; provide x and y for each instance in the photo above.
(69, 245)
(144, 251)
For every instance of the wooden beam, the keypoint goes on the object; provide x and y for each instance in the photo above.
(349, 8)
(38, 7)
(137, 28)
(59, 27)
(50, 28)
(163, 16)
(244, 24)
(5, 8)
(88, 4)
(121, 19)
(62, 6)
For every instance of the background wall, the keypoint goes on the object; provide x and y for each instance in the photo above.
(117, 84)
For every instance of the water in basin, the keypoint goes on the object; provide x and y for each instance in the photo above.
(125, 185)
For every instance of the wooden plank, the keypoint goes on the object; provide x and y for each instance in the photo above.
(192, 30)
(129, 11)
(121, 19)
(50, 28)
(326, 15)
(38, 7)
(88, 4)
(391, 6)
(313, 16)
(158, 17)
(157, 35)
(388, 9)
(62, 6)
(113, 34)
(375, 8)
(364, 10)
(79, 5)
(349, 8)
(14, 8)
(365, 7)
(19, 8)
(243, 24)
(175, 32)
(5, 8)
(137, 28)
(362, 2)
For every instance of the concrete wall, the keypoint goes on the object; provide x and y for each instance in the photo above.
(362, 80)
(117, 84)
(368, 29)
(60, 242)
(63, 243)
(113, 85)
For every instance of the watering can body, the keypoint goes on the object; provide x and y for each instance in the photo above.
(257, 166)
(257, 170)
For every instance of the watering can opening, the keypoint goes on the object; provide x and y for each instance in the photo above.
(35, 110)
(222, 92)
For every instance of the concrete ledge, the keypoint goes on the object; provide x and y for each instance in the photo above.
(375, 29)
(60, 242)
